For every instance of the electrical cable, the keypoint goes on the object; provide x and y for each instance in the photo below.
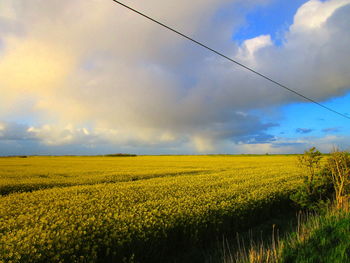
(231, 60)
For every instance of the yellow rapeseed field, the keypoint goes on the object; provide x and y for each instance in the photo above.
(108, 209)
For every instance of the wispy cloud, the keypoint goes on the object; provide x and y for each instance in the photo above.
(303, 130)
(331, 130)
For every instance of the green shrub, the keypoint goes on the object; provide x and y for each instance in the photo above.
(317, 187)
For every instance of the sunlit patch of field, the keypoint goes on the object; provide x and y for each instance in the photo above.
(108, 212)
(34, 173)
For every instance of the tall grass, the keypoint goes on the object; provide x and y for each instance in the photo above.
(317, 238)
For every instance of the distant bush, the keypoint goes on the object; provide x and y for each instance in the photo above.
(12, 156)
(120, 155)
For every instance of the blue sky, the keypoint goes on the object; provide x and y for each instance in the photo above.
(270, 19)
(296, 118)
(319, 121)
(147, 91)
(307, 118)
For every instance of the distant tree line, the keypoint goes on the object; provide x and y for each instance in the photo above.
(120, 155)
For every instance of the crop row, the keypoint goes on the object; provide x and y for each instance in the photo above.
(36, 173)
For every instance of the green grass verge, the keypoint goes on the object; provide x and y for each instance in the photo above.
(327, 241)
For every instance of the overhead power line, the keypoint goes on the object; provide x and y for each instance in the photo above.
(230, 59)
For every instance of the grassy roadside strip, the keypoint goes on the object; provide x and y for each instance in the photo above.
(324, 238)
(318, 238)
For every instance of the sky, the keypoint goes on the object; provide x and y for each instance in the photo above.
(90, 77)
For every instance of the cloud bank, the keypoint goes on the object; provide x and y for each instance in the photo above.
(89, 72)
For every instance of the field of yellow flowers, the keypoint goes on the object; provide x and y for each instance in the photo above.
(108, 209)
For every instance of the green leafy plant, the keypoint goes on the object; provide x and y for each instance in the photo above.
(317, 186)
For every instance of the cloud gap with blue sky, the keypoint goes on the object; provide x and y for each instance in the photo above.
(73, 81)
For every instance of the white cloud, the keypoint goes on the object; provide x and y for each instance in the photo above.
(313, 61)
(313, 14)
(251, 46)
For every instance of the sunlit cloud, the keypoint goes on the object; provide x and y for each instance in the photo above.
(109, 76)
